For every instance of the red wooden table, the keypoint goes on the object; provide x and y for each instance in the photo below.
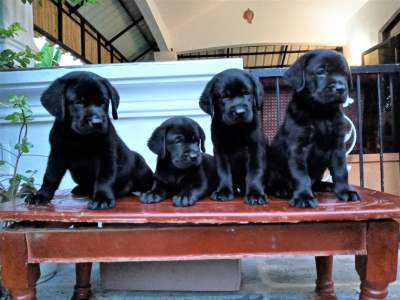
(65, 231)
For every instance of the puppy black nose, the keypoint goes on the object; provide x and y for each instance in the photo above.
(340, 88)
(193, 155)
(96, 121)
(239, 112)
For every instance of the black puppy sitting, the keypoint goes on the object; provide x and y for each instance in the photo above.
(311, 138)
(183, 172)
(233, 98)
(84, 141)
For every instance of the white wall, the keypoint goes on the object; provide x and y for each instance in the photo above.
(15, 11)
(362, 29)
(150, 93)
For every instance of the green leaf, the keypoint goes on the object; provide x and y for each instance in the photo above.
(24, 146)
(11, 30)
(15, 117)
(2, 162)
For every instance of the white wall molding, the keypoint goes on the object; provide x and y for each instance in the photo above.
(149, 92)
(146, 89)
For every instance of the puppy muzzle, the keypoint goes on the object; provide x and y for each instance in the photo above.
(91, 125)
(238, 115)
(188, 160)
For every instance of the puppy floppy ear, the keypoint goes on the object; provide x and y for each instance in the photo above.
(295, 75)
(114, 97)
(53, 98)
(202, 137)
(258, 89)
(156, 143)
(206, 98)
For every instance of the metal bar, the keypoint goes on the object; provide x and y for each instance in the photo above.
(142, 54)
(125, 30)
(284, 55)
(83, 41)
(121, 2)
(370, 69)
(396, 120)
(183, 56)
(268, 72)
(112, 55)
(360, 131)
(278, 102)
(380, 123)
(60, 20)
(98, 49)
(74, 9)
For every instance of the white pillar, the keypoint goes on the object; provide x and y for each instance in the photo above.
(165, 56)
(15, 11)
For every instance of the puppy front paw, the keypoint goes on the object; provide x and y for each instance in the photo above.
(102, 200)
(303, 200)
(348, 195)
(223, 194)
(256, 198)
(150, 197)
(184, 199)
(37, 199)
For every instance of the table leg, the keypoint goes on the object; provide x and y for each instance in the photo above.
(17, 274)
(82, 287)
(379, 267)
(324, 289)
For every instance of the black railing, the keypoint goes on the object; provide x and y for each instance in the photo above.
(375, 113)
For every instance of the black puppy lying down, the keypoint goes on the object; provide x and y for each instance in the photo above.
(311, 138)
(84, 141)
(183, 172)
(233, 99)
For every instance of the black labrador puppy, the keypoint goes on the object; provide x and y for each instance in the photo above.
(233, 99)
(183, 172)
(311, 138)
(84, 141)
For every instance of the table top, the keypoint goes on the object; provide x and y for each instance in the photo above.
(67, 208)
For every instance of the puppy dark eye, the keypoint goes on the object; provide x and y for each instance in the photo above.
(246, 93)
(320, 71)
(80, 100)
(225, 99)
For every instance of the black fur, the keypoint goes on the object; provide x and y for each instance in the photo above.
(311, 138)
(233, 99)
(183, 172)
(84, 141)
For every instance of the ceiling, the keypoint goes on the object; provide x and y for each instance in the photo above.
(122, 22)
(194, 24)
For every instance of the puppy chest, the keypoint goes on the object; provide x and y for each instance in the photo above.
(325, 133)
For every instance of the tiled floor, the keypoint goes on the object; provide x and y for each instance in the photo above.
(272, 278)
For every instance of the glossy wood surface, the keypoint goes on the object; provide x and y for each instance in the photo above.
(66, 208)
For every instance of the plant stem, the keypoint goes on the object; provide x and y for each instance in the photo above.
(14, 188)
